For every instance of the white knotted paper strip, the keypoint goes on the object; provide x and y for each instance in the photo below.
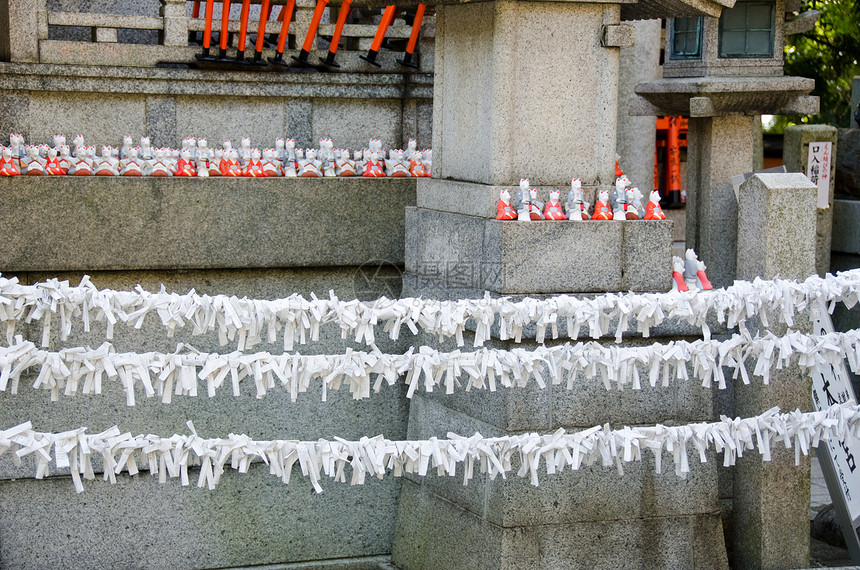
(377, 456)
(82, 370)
(248, 322)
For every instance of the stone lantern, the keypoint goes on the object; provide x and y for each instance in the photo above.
(722, 72)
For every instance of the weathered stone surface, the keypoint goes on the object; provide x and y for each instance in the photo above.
(745, 94)
(250, 518)
(200, 223)
(105, 119)
(776, 219)
(352, 123)
(133, 80)
(14, 116)
(482, 132)
(161, 122)
(468, 251)
(718, 148)
(847, 177)
(19, 30)
(433, 532)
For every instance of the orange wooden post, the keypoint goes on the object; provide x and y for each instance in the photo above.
(225, 22)
(243, 29)
(673, 162)
(285, 17)
(261, 33)
(387, 18)
(413, 37)
(195, 13)
(338, 30)
(302, 59)
(207, 31)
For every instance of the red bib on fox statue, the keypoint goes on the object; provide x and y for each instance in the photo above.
(7, 164)
(553, 209)
(505, 211)
(653, 211)
(602, 208)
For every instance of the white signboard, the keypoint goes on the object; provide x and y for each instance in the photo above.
(839, 460)
(818, 170)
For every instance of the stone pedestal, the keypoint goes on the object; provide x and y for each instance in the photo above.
(719, 148)
(796, 158)
(524, 95)
(776, 221)
(591, 518)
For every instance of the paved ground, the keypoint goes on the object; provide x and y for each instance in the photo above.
(821, 554)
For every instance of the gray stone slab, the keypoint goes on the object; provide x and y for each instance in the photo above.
(272, 417)
(776, 227)
(593, 493)
(646, 255)
(19, 38)
(103, 120)
(718, 148)
(482, 128)
(250, 518)
(352, 123)
(90, 78)
(161, 121)
(201, 223)
(846, 230)
(14, 115)
(432, 532)
(472, 252)
(634, 139)
(298, 122)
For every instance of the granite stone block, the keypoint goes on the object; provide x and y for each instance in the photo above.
(847, 179)
(249, 519)
(634, 142)
(201, 223)
(19, 33)
(646, 250)
(14, 115)
(432, 532)
(593, 493)
(102, 119)
(105, 35)
(210, 118)
(481, 79)
(298, 122)
(776, 227)
(351, 123)
(161, 121)
(718, 148)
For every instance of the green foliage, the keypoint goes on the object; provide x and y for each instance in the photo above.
(829, 54)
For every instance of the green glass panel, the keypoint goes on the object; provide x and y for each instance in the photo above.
(758, 43)
(733, 43)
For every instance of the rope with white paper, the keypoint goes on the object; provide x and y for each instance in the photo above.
(74, 370)
(377, 456)
(250, 321)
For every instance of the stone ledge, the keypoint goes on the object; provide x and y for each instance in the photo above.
(539, 257)
(19, 77)
(70, 224)
(846, 233)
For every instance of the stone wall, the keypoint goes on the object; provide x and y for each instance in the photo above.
(281, 236)
(104, 104)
